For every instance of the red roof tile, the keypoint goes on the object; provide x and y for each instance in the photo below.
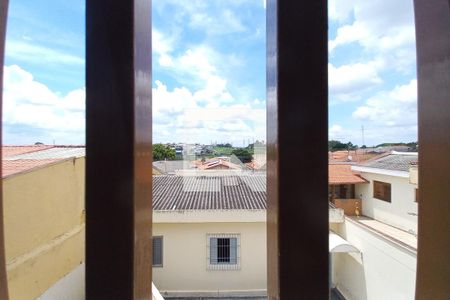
(356, 155)
(10, 167)
(16, 150)
(342, 174)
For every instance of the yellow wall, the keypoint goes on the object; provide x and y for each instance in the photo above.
(185, 259)
(44, 226)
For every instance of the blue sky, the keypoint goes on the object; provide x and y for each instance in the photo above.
(209, 71)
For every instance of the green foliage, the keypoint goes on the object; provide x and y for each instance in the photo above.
(334, 145)
(243, 154)
(163, 152)
(218, 150)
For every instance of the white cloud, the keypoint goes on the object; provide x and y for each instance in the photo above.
(212, 17)
(23, 51)
(348, 81)
(183, 115)
(383, 28)
(394, 108)
(28, 102)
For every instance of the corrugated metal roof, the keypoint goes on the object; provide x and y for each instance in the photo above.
(209, 192)
(396, 161)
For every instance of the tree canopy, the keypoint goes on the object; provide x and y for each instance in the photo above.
(163, 152)
(243, 154)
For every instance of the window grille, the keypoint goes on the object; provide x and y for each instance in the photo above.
(223, 251)
(157, 251)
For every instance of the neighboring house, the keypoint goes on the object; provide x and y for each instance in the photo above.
(43, 203)
(219, 163)
(209, 235)
(390, 196)
(341, 188)
(385, 233)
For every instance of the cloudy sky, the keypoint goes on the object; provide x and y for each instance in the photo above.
(209, 71)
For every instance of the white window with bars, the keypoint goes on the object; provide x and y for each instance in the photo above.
(223, 251)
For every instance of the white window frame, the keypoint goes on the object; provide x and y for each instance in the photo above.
(223, 266)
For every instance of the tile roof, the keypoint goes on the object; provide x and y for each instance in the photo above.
(397, 161)
(358, 155)
(342, 174)
(16, 150)
(211, 164)
(17, 159)
(209, 192)
(10, 167)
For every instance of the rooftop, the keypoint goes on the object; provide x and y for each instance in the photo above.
(209, 192)
(396, 161)
(342, 174)
(17, 159)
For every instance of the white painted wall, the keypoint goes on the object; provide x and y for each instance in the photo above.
(383, 271)
(185, 271)
(399, 211)
(70, 287)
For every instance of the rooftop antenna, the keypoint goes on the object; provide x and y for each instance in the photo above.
(362, 133)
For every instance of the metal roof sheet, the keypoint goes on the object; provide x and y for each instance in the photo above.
(209, 192)
(396, 161)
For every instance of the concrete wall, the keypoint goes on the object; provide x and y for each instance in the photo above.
(384, 270)
(185, 272)
(401, 212)
(44, 226)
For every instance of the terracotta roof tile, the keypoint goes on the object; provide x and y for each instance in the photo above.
(342, 174)
(16, 150)
(10, 167)
(18, 159)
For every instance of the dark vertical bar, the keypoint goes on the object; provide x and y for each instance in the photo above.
(3, 277)
(297, 88)
(118, 139)
(433, 71)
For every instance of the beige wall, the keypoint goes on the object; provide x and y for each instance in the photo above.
(185, 259)
(44, 226)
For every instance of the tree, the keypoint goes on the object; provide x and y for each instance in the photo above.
(163, 152)
(336, 145)
(243, 154)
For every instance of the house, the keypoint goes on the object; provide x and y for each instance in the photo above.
(390, 196)
(209, 235)
(43, 206)
(383, 233)
(341, 187)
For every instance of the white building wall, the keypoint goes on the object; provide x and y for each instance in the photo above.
(383, 270)
(185, 272)
(401, 212)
